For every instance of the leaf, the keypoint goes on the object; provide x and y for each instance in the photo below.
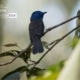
(9, 53)
(28, 52)
(15, 74)
(47, 47)
(13, 53)
(35, 71)
(74, 42)
(10, 45)
(44, 43)
(48, 75)
(57, 67)
(51, 73)
(61, 64)
(26, 55)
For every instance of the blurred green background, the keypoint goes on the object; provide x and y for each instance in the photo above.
(14, 30)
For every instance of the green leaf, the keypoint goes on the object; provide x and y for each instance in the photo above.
(57, 67)
(35, 71)
(46, 76)
(74, 42)
(26, 55)
(51, 73)
(61, 64)
(15, 74)
(47, 47)
(10, 53)
(10, 45)
(13, 53)
(44, 43)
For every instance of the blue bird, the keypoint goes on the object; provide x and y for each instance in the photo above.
(36, 29)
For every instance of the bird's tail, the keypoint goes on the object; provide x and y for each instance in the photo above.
(37, 46)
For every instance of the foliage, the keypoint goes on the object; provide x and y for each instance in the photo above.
(33, 73)
(74, 42)
(51, 73)
(30, 72)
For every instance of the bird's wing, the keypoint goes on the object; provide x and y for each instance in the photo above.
(39, 28)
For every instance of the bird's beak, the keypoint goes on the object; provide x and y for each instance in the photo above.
(44, 12)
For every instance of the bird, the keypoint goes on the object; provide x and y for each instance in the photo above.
(36, 30)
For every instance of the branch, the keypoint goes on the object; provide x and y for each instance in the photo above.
(52, 42)
(49, 29)
(23, 51)
(56, 44)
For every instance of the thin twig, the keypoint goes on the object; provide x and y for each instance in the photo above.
(23, 51)
(56, 44)
(18, 47)
(52, 42)
(49, 29)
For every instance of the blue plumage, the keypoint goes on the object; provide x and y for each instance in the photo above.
(37, 15)
(36, 29)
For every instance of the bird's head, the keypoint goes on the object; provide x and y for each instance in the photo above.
(37, 15)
